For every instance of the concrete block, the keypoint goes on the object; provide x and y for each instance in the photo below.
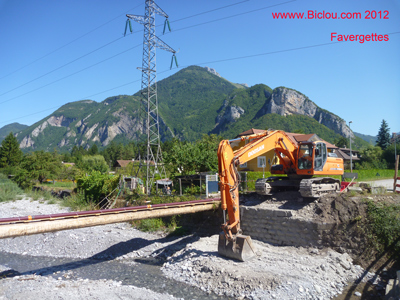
(355, 189)
(283, 213)
(378, 190)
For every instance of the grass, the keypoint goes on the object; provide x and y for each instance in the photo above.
(363, 175)
(58, 185)
(9, 190)
(41, 195)
(384, 226)
(373, 174)
(168, 224)
(77, 202)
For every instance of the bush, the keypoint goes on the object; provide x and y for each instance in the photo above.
(90, 163)
(77, 202)
(8, 189)
(385, 225)
(96, 186)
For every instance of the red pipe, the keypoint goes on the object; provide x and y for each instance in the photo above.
(103, 211)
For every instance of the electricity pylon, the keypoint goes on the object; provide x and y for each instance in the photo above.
(149, 104)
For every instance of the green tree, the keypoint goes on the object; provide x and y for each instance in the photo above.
(40, 166)
(68, 172)
(383, 138)
(190, 158)
(372, 158)
(342, 142)
(94, 150)
(90, 163)
(10, 153)
(388, 154)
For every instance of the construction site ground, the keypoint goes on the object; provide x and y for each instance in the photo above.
(119, 262)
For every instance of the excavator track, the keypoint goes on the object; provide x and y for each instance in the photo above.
(308, 188)
(318, 186)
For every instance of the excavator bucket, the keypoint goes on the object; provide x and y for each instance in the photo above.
(241, 249)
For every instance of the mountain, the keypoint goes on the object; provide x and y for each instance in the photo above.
(192, 102)
(368, 138)
(85, 123)
(13, 127)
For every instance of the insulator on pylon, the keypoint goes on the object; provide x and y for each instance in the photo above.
(126, 26)
(130, 25)
(172, 61)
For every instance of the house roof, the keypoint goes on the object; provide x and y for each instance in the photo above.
(342, 154)
(348, 150)
(250, 132)
(122, 163)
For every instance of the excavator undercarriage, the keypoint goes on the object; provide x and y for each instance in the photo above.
(308, 187)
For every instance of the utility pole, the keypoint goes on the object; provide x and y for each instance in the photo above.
(149, 103)
(351, 155)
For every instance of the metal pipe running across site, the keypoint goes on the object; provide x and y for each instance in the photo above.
(38, 218)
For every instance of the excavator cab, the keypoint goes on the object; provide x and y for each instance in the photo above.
(312, 157)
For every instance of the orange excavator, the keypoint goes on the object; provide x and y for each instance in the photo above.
(299, 161)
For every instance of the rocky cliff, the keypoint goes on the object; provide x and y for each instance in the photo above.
(281, 101)
(284, 101)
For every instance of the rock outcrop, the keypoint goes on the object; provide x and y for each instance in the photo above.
(284, 101)
(212, 71)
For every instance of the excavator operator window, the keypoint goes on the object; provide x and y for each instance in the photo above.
(305, 156)
(320, 156)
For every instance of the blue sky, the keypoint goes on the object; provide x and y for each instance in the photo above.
(55, 52)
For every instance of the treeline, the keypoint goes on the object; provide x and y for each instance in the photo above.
(180, 158)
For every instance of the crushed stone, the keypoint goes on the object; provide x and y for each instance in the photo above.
(277, 272)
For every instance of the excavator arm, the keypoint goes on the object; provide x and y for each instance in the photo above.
(232, 243)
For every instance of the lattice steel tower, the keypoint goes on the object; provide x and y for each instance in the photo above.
(149, 104)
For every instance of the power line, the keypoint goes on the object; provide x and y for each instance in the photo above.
(203, 63)
(62, 78)
(67, 44)
(101, 47)
(206, 12)
(60, 67)
(236, 15)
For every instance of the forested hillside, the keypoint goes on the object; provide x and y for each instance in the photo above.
(192, 102)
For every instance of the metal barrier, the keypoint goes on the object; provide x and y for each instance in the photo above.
(212, 186)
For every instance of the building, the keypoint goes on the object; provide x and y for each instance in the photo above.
(124, 163)
(344, 153)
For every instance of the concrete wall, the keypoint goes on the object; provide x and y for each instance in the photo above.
(280, 227)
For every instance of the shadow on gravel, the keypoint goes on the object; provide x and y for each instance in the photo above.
(387, 258)
(111, 253)
(9, 273)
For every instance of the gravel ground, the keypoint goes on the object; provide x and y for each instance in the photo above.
(276, 273)
(41, 287)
